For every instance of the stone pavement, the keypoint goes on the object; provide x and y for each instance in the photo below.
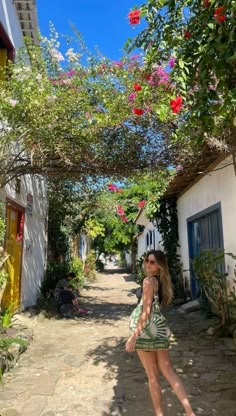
(80, 368)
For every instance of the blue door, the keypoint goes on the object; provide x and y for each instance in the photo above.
(204, 233)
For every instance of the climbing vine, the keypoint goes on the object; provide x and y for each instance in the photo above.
(164, 212)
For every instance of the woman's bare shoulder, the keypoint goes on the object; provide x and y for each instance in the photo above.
(150, 281)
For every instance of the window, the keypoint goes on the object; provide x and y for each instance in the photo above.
(150, 238)
(147, 240)
(7, 51)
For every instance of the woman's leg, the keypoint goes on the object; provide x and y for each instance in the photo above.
(149, 361)
(164, 365)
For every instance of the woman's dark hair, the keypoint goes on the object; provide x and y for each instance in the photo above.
(165, 280)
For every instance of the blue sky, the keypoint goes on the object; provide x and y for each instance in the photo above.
(103, 23)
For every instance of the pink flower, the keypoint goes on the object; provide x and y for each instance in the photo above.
(112, 187)
(120, 210)
(134, 57)
(132, 96)
(172, 61)
(158, 77)
(179, 168)
(71, 73)
(141, 203)
(118, 63)
(124, 219)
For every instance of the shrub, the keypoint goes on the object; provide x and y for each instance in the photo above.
(90, 266)
(55, 272)
(77, 266)
(140, 269)
(214, 283)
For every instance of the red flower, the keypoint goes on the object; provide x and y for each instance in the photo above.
(147, 77)
(141, 204)
(187, 34)
(120, 210)
(137, 87)
(134, 17)
(112, 188)
(138, 111)
(207, 3)
(219, 10)
(176, 104)
(124, 219)
(218, 15)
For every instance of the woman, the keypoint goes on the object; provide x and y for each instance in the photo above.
(153, 349)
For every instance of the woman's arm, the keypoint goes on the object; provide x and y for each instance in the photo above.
(148, 292)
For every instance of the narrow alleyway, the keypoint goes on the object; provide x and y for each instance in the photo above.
(80, 368)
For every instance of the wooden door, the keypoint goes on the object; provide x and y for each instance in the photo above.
(14, 246)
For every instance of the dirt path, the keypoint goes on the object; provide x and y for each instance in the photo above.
(80, 368)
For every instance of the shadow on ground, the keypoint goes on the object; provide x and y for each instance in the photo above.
(131, 395)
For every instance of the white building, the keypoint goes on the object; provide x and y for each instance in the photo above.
(26, 198)
(149, 238)
(206, 203)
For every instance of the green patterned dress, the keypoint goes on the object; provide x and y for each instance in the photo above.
(155, 334)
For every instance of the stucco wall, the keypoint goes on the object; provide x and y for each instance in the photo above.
(142, 240)
(217, 186)
(35, 242)
(35, 235)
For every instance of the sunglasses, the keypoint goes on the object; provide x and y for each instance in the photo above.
(151, 262)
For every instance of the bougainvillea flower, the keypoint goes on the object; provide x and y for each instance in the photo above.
(138, 111)
(219, 10)
(124, 219)
(141, 203)
(137, 87)
(172, 61)
(147, 77)
(112, 187)
(134, 17)
(71, 73)
(176, 104)
(221, 18)
(132, 96)
(187, 34)
(218, 15)
(118, 63)
(120, 210)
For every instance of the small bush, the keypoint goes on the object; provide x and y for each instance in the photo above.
(140, 269)
(55, 272)
(77, 267)
(90, 266)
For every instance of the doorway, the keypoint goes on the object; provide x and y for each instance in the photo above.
(15, 217)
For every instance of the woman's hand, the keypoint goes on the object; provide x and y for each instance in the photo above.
(130, 344)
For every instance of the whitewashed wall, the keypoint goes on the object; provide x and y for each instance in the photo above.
(35, 239)
(35, 235)
(142, 238)
(217, 186)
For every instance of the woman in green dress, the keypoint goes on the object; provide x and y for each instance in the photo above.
(150, 333)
